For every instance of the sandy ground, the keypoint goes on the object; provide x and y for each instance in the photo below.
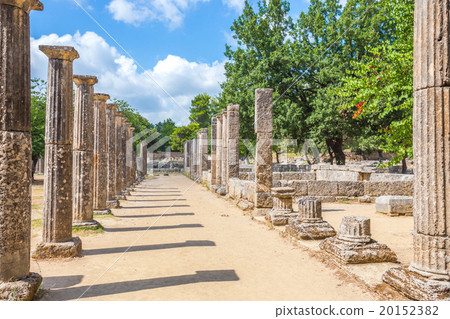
(201, 248)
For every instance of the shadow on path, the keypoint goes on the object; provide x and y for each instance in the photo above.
(156, 195)
(156, 215)
(118, 230)
(148, 207)
(156, 200)
(117, 250)
(143, 284)
(57, 282)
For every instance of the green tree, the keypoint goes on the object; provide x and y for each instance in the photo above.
(182, 134)
(203, 108)
(381, 82)
(38, 106)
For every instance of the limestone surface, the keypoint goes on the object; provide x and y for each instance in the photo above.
(394, 205)
(67, 249)
(22, 289)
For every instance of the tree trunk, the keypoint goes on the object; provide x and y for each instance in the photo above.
(404, 166)
(278, 157)
(336, 147)
(33, 168)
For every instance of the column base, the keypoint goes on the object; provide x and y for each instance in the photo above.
(279, 219)
(126, 193)
(103, 212)
(416, 286)
(310, 231)
(355, 253)
(22, 289)
(121, 197)
(92, 224)
(131, 189)
(113, 204)
(67, 249)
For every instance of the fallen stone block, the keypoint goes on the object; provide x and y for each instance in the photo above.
(394, 205)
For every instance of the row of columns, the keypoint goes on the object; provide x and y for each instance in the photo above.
(83, 146)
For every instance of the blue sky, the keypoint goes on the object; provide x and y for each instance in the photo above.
(176, 47)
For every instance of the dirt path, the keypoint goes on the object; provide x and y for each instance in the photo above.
(202, 248)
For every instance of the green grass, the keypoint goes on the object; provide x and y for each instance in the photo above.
(36, 223)
(78, 230)
(36, 206)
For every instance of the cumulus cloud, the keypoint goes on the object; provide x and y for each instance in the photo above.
(171, 12)
(237, 5)
(164, 91)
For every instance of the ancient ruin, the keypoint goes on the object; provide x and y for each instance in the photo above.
(282, 206)
(57, 240)
(100, 155)
(142, 161)
(16, 281)
(83, 152)
(111, 201)
(428, 277)
(310, 225)
(353, 243)
(119, 156)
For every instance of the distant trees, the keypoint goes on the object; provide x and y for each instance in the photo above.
(341, 75)
(38, 105)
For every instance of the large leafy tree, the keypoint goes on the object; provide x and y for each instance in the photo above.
(380, 83)
(203, 108)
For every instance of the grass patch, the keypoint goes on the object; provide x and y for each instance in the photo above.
(78, 230)
(36, 206)
(36, 223)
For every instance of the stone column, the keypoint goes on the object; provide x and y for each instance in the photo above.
(100, 155)
(213, 151)
(191, 158)
(119, 156)
(185, 153)
(194, 158)
(129, 157)
(16, 281)
(233, 142)
(202, 152)
(353, 243)
(282, 206)
(310, 224)
(83, 152)
(111, 201)
(428, 277)
(133, 160)
(142, 161)
(224, 155)
(57, 240)
(263, 158)
(219, 152)
(125, 171)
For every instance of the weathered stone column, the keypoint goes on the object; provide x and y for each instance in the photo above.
(219, 152)
(129, 157)
(213, 152)
(57, 240)
(224, 156)
(16, 281)
(125, 171)
(310, 224)
(142, 161)
(100, 155)
(202, 152)
(282, 206)
(353, 243)
(133, 159)
(233, 142)
(185, 153)
(263, 158)
(428, 277)
(191, 158)
(194, 158)
(83, 152)
(111, 201)
(119, 156)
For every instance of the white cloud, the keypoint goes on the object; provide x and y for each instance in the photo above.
(120, 77)
(237, 5)
(171, 12)
(230, 40)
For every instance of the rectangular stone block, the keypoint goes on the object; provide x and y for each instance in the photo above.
(263, 200)
(394, 205)
(351, 189)
(376, 189)
(322, 188)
